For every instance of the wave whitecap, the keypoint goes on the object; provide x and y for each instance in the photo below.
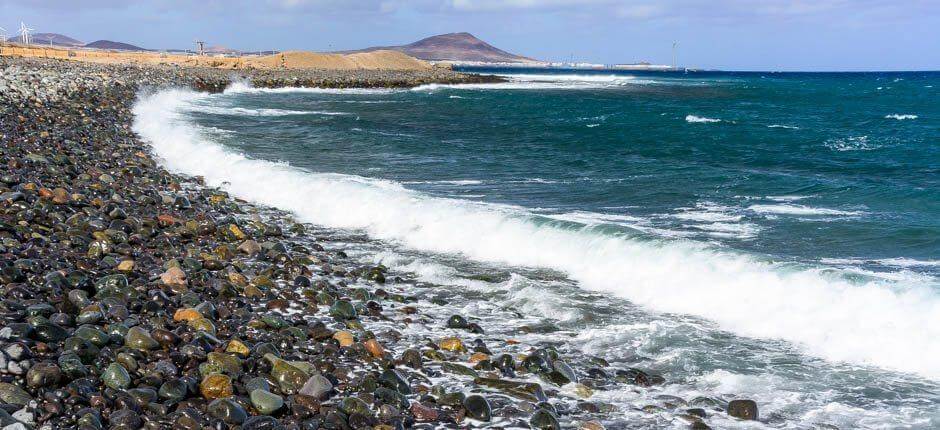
(876, 322)
(789, 209)
(900, 117)
(700, 119)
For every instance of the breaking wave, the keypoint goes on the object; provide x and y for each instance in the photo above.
(870, 321)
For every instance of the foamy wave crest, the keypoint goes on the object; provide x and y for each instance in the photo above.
(855, 143)
(242, 87)
(544, 82)
(787, 209)
(700, 119)
(900, 117)
(877, 322)
(788, 127)
(261, 111)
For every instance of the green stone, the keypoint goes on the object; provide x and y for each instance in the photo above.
(139, 338)
(116, 377)
(354, 405)
(227, 363)
(459, 369)
(92, 334)
(228, 411)
(289, 378)
(343, 310)
(13, 394)
(266, 402)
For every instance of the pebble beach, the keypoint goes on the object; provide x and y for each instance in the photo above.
(134, 298)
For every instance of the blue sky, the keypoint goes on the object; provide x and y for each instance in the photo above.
(726, 34)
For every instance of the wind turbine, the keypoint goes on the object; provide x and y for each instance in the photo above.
(24, 32)
(3, 35)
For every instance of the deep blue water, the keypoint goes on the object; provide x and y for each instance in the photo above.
(775, 235)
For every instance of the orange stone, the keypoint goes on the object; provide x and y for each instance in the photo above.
(345, 338)
(374, 348)
(60, 196)
(478, 357)
(166, 220)
(216, 386)
(188, 314)
(452, 344)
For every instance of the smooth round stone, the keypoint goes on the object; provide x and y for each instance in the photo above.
(125, 419)
(13, 394)
(165, 337)
(457, 321)
(266, 402)
(262, 422)
(411, 358)
(392, 379)
(43, 374)
(478, 407)
(143, 396)
(354, 405)
(216, 386)
(139, 338)
(116, 377)
(229, 364)
(343, 310)
(92, 334)
(743, 409)
(228, 411)
(289, 378)
(317, 386)
(257, 383)
(50, 333)
(544, 420)
(173, 390)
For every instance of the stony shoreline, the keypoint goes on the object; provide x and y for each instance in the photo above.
(136, 298)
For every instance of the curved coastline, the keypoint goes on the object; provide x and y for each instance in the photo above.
(218, 284)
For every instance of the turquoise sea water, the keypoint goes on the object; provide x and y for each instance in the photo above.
(774, 235)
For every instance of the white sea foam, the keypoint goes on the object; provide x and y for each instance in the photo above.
(889, 324)
(244, 88)
(545, 81)
(900, 117)
(789, 127)
(854, 143)
(787, 198)
(594, 218)
(218, 110)
(789, 209)
(700, 119)
(454, 182)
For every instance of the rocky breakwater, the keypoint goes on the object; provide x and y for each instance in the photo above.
(136, 298)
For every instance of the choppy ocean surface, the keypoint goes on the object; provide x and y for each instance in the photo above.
(761, 235)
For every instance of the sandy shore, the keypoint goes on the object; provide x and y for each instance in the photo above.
(134, 297)
(378, 60)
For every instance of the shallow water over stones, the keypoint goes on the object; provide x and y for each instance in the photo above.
(134, 297)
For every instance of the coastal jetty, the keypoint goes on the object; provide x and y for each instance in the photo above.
(133, 297)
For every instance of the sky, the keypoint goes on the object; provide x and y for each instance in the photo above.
(807, 35)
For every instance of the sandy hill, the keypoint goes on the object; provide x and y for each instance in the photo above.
(388, 60)
(453, 47)
(110, 44)
(44, 38)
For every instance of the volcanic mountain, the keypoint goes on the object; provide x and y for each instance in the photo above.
(453, 47)
(112, 45)
(44, 38)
